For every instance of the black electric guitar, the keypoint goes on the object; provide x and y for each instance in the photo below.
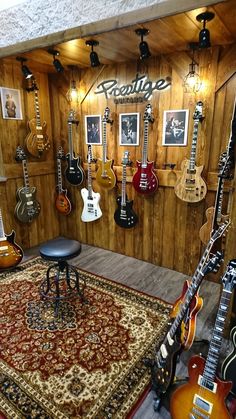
(124, 215)
(62, 201)
(164, 365)
(74, 172)
(10, 253)
(228, 367)
(27, 207)
(204, 395)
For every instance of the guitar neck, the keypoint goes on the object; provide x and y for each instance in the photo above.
(123, 191)
(70, 139)
(218, 203)
(192, 160)
(2, 233)
(104, 141)
(145, 143)
(59, 176)
(37, 113)
(25, 173)
(90, 189)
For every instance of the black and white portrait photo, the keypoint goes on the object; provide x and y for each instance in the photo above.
(175, 127)
(11, 103)
(129, 128)
(93, 129)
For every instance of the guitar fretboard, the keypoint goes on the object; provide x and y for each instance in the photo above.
(194, 145)
(123, 191)
(145, 143)
(90, 190)
(59, 176)
(37, 113)
(26, 177)
(2, 233)
(104, 141)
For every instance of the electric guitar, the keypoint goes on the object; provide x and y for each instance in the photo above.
(164, 364)
(37, 142)
(91, 210)
(62, 201)
(11, 253)
(204, 395)
(27, 207)
(124, 215)
(105, 175)
(228, 367)
(190, 187)
(74, 172)
(214, 214)
(145, 180)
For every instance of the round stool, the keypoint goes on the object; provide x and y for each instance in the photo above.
(62, 280)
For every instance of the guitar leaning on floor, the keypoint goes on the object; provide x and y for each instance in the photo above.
(11, 253)
(62, 201)
(145, 180)
(27, 207)
(74, 172)
(164, 365)
(37, 142)
(204, 395)
(105, 175)
(190, 187)
(124, 215)
(91, 210)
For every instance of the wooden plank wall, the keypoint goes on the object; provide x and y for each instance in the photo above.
(167, 231)
(41, 172)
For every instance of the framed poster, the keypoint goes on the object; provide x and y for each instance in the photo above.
(11, 103)
(175, 127)
(93, 129)
(129, 129)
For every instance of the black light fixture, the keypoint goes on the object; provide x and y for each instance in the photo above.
(143, 46)
(57, 64)
(94, 60)
(192, 82)
(204, 34)
(25, 70)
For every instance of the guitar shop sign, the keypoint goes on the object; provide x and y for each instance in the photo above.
(128, 93)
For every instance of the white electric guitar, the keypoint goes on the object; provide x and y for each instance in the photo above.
(91, 210)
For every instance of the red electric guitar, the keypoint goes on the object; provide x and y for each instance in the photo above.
(145, 180)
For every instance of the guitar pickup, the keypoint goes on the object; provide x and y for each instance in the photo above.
(29, 202)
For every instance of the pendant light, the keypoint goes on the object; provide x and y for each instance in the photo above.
(143, 46)
(73, 93)
(192, 82)
(204, 34)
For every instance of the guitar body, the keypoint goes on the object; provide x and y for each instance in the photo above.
(74, 172)
(183, 401)
(91, 210)
(190, 187)
(229, 364)
(62, 202)
(145, 180)
(105, 175)
(206, 230)
(124, 215)
(27, 207)
(188, 325)
(10, 253)
(37, 140)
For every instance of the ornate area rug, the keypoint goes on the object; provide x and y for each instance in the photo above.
(85, 363)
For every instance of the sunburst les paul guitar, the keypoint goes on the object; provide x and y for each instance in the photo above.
(37, 142)
(204, 395)
(27, 207)
(62, 201)
(91, 210)
(11, 253)
(74, 172)
(164, 364)
(105, 175)
(145, 180)
(190, 187)
(124, 215)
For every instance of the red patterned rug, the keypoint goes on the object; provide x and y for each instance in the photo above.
(85, 363)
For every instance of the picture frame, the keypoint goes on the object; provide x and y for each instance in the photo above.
(175, 127)
(93, 129)
(129, 129)
(11, 103)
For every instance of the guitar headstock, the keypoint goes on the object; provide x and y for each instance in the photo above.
(198, 112)
(90, 154)
(106, 116)
(148, 113)
(20, 154)
(32, 85)
(220, 231)
(225, 165)
(229, 277)
(213, 263)
(126, 161)
(60, 153)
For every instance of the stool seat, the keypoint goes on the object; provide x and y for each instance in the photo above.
(60, 249)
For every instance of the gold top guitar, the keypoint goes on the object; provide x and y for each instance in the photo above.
(105, 175)
(37, 142)
(190, 187)
(11, 253)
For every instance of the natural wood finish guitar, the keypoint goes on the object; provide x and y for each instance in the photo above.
(37, 142)
(204, 395)
(190, 187)
(62, 201)
(11, 253)
(105, 175)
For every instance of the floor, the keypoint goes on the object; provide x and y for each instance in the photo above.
(160, 282)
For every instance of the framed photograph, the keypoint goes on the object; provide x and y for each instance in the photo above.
(129, 128)
(11, 103)
(93, 129)
(175, 127)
